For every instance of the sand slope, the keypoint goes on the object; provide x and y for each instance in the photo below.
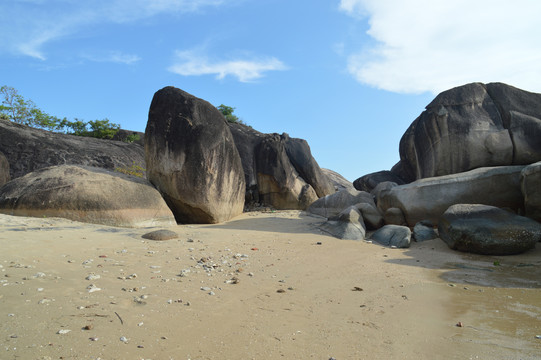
(270, 291)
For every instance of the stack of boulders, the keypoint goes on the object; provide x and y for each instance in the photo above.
(470, 166)
(200, 169)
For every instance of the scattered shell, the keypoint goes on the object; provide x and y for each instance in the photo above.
(91, 288)
(212, 293)
(94, 339)
(40, 289)
(124, 339)
(140, 324)
(538, 337)
(39, 275)
(205, 288)
(63, 331)
(93, 277)
(132, 276)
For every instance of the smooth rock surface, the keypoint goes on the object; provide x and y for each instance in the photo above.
(487, 230)
(370, 181)
(191, 158)
(332, 205)
(393, 235)
(85, 194)
(530, 185)
(424, 230)
(160, 235)
(338, 181)
(428, 199)
(348, 225)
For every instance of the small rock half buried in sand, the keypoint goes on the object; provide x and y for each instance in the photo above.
(161, 235)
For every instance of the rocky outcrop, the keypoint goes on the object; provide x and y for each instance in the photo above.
(428, 199)
(4, 169)
(332, 205)
(279, 170)
(530, 184)
(393, 236)
(28, 149)
(191, 158)
(487, 230)
(370, 181)
(86, 194)
(338, 181)
(348, 225)
(472, 126)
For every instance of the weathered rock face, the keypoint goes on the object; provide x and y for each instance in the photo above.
(28, 149)
(338, 181)
(428, 199)
(4, 169)
(424, 230)
(393, 235)
(86, 194)
(348, 225)
(472, 126)
(487, 230)
(279, 170)
(191, 158)
(530, 184)
(332, 205)
(370, 181)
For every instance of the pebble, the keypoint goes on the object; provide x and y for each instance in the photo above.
(538, 337)
(39, 275)
(205, 288)
(93, 277)
(63, 331)
(94, 339)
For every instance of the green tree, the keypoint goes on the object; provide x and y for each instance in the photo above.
(227, 112)
(14, 107)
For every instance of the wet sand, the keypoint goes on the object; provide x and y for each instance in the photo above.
(262, 286)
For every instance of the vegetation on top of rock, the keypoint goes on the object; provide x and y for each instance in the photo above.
(14, 107)
(227, 112)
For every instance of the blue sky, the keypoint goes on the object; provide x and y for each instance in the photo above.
(349, 76)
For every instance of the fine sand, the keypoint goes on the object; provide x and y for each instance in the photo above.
(261, 286)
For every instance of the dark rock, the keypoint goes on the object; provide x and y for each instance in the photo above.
(370, 181)
(279, 170)
(85, 194)
(424, 230)
(28, 149)
(4, 169)
(472, 126)
(338, 181)
(427, 199)
(373, 219)
(280, 185)
(530, 184)
(192, 159)
(386, 185)
(332, 205)
(130, 136)
(348, 225)
(394, 216)
(487, 230)
(393, 235)
(160, 235)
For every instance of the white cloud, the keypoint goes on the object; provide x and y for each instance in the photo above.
(427, 45)
(114, 57)
(28, 25)
(192, 63)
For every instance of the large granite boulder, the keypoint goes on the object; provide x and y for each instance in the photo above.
(370, 181)
(332, 205)
(472, 126)
(338, 181)
(530, 184)
(487, 230)
(279, 170)
(348, 225)
(279, 183)
(4, 169)
(28, 149)
(86, 194)
(191, 158)
(428, 199)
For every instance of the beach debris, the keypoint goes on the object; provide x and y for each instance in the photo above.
(92, 288)
(319, 243)
(140, 324)
(93, 338)
(124, 339)
(39, 275)
(233, 280)
(63, 331)
(357, 288)
(93, 277)
(254, 249)
(538, 337)
(280, 291)
(459, 324)
(132, 276)
(205, 288)
(88, 327)
(119, 318)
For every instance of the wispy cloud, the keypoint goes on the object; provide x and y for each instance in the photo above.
(193, 63)
(426, 45)
(112, 56)
(28, 25)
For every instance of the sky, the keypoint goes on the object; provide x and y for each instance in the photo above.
(349, 76)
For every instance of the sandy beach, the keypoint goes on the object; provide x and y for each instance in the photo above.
(265, 285)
